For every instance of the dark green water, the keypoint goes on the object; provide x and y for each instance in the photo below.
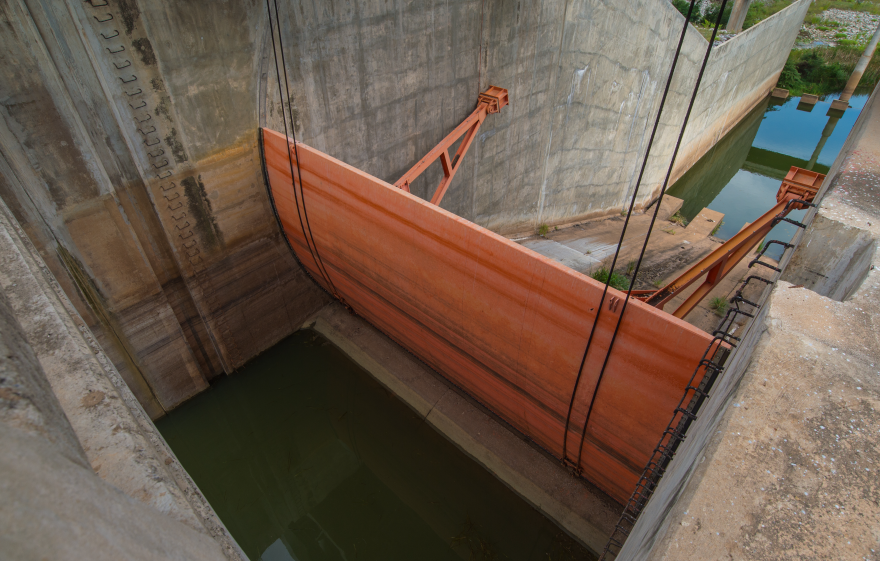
(305, 457)
(741, 175)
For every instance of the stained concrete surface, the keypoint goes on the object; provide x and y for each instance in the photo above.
(59, 385)
(798, 449)
(54, 508)
(579, 508)
(585, 81)
(130, 154)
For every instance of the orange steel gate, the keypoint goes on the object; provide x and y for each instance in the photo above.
(504, 323)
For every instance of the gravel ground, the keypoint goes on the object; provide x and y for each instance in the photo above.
(857, 26)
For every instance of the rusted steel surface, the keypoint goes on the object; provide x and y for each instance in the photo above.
(506, 324)
(490, 101)
(798, 185)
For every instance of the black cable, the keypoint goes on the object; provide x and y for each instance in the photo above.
(303, 214)
(284, 122)
(625, 224)
(653, 220)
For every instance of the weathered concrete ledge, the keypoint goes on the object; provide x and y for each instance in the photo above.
(114, 436)
(792, 468)
(580, 509)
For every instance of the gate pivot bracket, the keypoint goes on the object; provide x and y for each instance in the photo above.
(490, 101)
(797, 192)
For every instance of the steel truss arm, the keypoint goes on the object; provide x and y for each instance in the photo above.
(490, 101)
(796, 192)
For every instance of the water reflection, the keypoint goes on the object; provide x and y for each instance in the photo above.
(740, 176)
(305, 457)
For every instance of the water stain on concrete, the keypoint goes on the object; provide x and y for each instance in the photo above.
(145, 49)
(200, 211)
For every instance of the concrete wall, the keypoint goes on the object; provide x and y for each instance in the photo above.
(56, 383)
(54, 504)
(380, 87)
(129, 141)
(182, 277)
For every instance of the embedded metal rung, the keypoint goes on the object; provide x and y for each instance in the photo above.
(769, 266)
(707, 362)
(686, 413)
(739, 298)
(785, 245)
(736, 311)
(725, 334)
(799, 201)
(777, 220)
(699, 391)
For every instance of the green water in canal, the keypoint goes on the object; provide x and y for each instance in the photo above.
(741, 174)
(305, 457)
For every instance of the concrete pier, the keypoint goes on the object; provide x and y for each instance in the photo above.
(738, 15)
(860, 68)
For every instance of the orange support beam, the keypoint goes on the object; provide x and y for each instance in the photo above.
(798, 185)
(490, 101)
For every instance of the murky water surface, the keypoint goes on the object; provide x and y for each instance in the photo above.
(741, 175)
(305, 457)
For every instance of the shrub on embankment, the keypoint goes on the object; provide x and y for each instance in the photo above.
(825, 70)
(758, 11)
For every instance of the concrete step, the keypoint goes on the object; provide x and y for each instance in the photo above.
(565, 255)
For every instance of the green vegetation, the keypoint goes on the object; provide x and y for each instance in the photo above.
(683, 6)
(678, 219)
(658, 283)
(716, 228)
(819, 6)
(618, 281)
(825, 70)
(670, 231)
(808, 71)
(630, 267)
(543, 229)
(719, 305)
(761, 10)
(758, 11)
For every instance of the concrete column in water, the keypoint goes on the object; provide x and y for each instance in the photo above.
(860, 68)
(826, 132)
(738, 15)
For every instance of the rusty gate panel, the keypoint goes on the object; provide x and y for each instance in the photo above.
(504, 323)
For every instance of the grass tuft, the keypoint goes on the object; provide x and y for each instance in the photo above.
(719, 305)
(543, 229)
(677, 218)
(618, 281)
